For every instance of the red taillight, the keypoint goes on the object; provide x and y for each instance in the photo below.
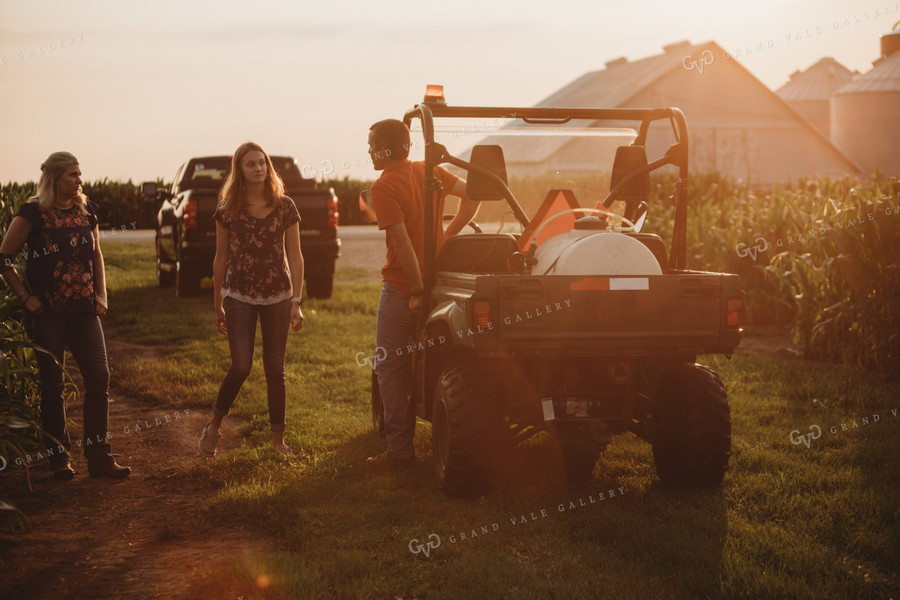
(481, 313)
(333, 214)
(190, 214)
(733, 309)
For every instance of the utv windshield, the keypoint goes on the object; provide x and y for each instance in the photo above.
(539, 158)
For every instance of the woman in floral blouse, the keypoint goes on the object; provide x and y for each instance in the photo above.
(64, 268)
(257, 271)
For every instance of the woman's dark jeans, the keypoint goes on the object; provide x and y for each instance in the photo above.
(240, 318)
(82, 333)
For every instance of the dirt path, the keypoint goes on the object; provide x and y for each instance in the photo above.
(95, 538)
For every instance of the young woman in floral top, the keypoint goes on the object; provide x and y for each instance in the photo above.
(64, 268)
(257, 271)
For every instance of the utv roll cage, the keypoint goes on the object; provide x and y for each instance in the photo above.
(626, 178)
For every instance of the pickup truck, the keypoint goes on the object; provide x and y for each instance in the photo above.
(580, 324)
(186, 230)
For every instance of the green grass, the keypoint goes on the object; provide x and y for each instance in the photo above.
(788, 522)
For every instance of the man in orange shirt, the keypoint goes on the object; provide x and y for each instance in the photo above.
(398, 197)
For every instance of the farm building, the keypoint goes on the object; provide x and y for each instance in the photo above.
(865, 113)
(738, 126)
(809, 92)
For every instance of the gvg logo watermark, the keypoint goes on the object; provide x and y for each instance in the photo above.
(797, 438)
(820, 229)
(706, 58)
(381, 352)
(815, 432)
(3, 462)
(516, 521)
(761, 246)
(417, 547)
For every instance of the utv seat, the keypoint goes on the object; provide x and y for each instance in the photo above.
(479, 253)
(656, 246)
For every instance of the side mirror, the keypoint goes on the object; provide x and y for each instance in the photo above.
(482, 187)
(149, 191)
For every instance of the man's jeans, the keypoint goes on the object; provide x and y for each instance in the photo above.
(84, 336)
(275, 320)
(393, 333)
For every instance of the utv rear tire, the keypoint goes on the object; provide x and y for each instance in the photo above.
(187, 278)
(460, 432)
(320, 286)
(164, 278)
(694, 423)
(377, 407)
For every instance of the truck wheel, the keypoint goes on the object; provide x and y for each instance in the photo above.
(163, 278)
(320, 286)
(187, 278)
(460, 432)
(694, 422)
(377, 407)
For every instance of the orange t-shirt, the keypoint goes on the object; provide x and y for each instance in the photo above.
(398, 197)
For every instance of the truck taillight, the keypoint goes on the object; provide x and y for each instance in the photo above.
(481, 313)
(733, 309)
(190, 214)
(333, 214)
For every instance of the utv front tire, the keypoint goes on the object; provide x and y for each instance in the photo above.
(694, 427)
(459, 432)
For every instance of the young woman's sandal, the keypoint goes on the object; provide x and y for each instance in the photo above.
(208, 443)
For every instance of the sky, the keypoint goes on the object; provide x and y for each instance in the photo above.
(135, 88)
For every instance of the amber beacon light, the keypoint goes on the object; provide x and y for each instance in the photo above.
(435, 94)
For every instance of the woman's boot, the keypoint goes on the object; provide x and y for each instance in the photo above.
(102, 464)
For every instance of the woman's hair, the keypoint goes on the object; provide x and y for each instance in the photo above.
(233, 195)
(51, 170)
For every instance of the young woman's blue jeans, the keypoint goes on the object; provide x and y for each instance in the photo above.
(275, 320)
(394, 331)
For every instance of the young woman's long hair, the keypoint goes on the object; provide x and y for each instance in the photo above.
(233, 195)
(51, 170)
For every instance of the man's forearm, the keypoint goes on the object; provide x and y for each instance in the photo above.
(467, 210)
(410, 265)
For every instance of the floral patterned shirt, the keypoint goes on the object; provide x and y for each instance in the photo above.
(60, 257)
(256, 270)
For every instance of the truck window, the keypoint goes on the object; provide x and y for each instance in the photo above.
(206, 173)
(175, 187)
(288, 170)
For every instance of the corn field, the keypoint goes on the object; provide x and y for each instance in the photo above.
(19, 381)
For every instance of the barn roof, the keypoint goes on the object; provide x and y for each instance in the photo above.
(818, 82)
(884, 77)
(610, 87)
(622, 79)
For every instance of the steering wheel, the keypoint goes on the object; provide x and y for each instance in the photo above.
(629, 229)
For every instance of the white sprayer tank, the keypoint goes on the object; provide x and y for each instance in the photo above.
(591, 252)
